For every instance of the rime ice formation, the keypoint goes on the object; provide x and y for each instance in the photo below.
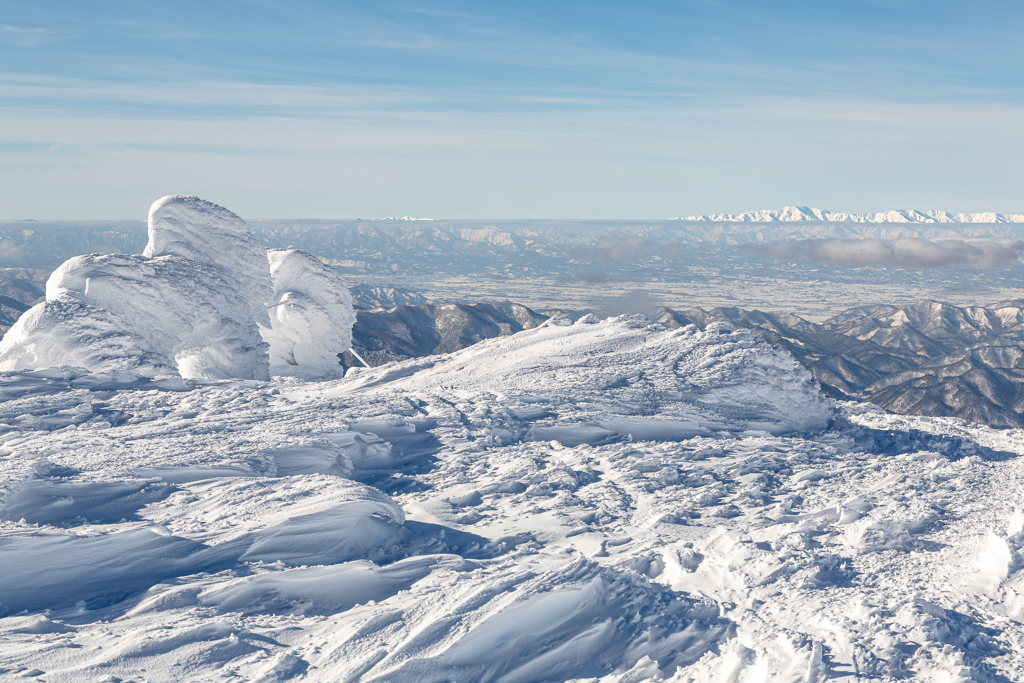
(196, 314)
(68, 332)
(201, 231)
(194, 304)
(311, 316)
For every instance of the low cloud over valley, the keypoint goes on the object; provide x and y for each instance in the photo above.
(902, 253)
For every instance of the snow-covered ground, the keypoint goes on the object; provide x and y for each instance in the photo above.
(601, 501)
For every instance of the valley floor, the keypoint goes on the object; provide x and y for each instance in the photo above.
(814, 298)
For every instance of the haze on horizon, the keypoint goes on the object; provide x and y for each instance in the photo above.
(467, 109)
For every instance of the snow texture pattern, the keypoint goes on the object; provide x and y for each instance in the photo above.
(605, 501)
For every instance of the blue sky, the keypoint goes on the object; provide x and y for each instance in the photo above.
(526, 109)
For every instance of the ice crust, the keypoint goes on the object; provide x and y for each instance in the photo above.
(194, 304)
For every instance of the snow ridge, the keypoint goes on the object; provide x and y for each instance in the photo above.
(791, 214)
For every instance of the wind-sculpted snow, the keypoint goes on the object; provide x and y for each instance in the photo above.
(625, 376)
(66, 331)
(202, 232)
(193, 305)
(602, 502)
(311, 316)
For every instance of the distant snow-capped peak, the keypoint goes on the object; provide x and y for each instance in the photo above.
(804, 213)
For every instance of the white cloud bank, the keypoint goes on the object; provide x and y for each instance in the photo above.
(903, 253)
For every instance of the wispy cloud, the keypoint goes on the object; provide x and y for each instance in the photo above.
(361, 152)
(491, 109)
(905, 253)
(23, 37)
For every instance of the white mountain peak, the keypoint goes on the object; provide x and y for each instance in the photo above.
(803, 213)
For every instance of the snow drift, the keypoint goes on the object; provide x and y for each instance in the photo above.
(194, 304)
(621, 378)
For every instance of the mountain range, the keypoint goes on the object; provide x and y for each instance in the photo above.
(803, 213)
(566, 250)
(382, 335)
(929, 358)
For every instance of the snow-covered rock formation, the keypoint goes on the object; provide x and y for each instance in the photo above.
(193, 304)
(311, 317)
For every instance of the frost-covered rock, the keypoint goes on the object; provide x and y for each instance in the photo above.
(193, 304)
(198, 315)
(68, 331)
(311, 316)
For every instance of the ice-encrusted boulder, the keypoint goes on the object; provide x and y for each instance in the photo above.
(194, 304)
(311, 317)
